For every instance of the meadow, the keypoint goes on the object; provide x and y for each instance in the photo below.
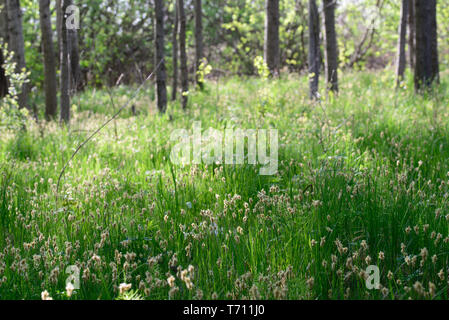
(363, 179)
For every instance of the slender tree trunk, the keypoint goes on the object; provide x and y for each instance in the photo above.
(50, 85)
(271, 43)
(4, 21)
(59, 27)
(175, 54)
(400, 60)
(17, 45)
(331, 48)
(183, 54)
(198, 40)
(314, 49)
(411, 33)
(426, 68)
(4, 85)
(65, 66)
(161, 89)
(3, 80)
(74, 60)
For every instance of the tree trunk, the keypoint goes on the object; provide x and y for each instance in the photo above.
(65, 66)
(400, 60)
(3, 21)
(331, 49)
(161, 89)
(314, 49)
(198, 40)
(50, 85)
(58, 9)
(426, 68)
(411, 33)
(175, 54)
(4, 85)
(74, 61)
(17, 45)
(183, 54)
(3, 80)
(271, 43)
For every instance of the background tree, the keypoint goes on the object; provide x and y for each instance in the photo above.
(75, 68)
(183, 54)
(314, 49)
(3, 79)
(411, 33)
(65, 66)
(58, 9)
(401, 60)
(161, 88)
(426, 68)
(331, 48)
(271, 43)
(17, 45)
(3, 39)
(198, 40)
(50, 84)
(175, 53)
(3, 21)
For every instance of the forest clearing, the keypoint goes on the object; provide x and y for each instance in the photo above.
(340, 192)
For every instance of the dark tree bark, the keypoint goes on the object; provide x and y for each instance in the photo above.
(3, 22)
(426, 68)
(65, 66)
(17, 45)
(3, 80)
(58, 9)
(400, 59)
(161, 88)
(175, 54)
(271, 43)
(411, 33)
(4, 85)
(314, 49)
(74, 61)
(331, 48)
(183, 54)
(50, 84)
(198, 40)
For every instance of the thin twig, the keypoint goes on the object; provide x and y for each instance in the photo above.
(104, 125)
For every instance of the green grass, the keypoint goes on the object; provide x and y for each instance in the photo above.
(355, 171)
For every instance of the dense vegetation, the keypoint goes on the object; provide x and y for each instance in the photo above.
(363, 176)
(362, 180)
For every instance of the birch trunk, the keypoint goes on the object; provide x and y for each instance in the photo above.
(314, 49)
(271, 43)
(161, 89)
(400, 59)
(50, 84)
(183, 54)
(65, 66)
(17, 45)
(331, 48)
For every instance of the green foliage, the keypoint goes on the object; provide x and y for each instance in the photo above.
(261, 67)
(11, 117)
(204, 69)
(116, 37)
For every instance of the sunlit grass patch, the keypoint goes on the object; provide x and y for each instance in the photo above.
(362, 180)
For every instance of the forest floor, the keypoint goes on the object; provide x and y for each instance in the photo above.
(362, 180)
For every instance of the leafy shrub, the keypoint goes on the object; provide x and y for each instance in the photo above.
(11, 116)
